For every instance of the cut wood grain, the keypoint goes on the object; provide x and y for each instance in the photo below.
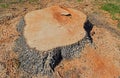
(54, 27)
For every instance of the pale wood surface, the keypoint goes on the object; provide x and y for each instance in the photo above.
(54, 27)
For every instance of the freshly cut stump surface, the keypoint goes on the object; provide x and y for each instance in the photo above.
(54, 27)
(49, 35)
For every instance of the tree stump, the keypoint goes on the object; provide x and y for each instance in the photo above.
(49, 35)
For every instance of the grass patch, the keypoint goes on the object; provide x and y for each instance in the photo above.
(79, 0)
(1, 0)
(31, 1)
(21, 0)
(4, 5)
(114, 10)
(111, 8)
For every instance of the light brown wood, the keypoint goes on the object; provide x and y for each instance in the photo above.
(54, 27)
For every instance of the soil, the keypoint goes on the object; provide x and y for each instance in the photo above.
(101, 59)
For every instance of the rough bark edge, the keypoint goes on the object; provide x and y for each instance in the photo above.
(33, 61)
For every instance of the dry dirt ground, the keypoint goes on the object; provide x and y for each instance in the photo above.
(101, 60)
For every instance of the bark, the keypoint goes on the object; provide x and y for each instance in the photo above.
(33, 61)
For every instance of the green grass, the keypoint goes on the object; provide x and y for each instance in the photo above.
(4, 5)
(1, 1)
(32, 1)
(114, 9)
(79, 0)
(111, 8)
(21, 0)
